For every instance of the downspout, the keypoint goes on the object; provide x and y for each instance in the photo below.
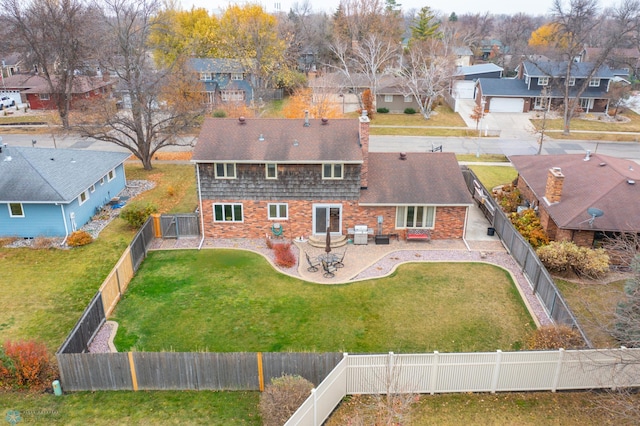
(200, 206)
(466, 222)
(66, 228)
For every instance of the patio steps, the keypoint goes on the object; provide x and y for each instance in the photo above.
(321, 241)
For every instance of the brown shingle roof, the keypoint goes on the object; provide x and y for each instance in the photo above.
(285, 141)
(29, 83)
(602, 182)
(423, 178)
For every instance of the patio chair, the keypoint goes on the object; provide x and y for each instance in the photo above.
(313, 264)
(329, 270)
(339, 258)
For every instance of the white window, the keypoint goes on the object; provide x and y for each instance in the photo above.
(572, 81)
(44, 96)
(388, 98)
(15, 210)
(111, 175)
(102, 181)
(205, 76)
(543, 81)
(92, 188)
(278, 210)
(332, 171)
(225, 170)
(408, 98)
(586, 103)
(271, 171)
(526, 80)
(415, 216)
(84, 196)
(232, 95)
(236, 76)
(231, 212)
(594, 82)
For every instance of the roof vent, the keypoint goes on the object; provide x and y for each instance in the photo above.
(306, 119)
(403, 155)
(295, 142)
(602, 164)
(325, 120)
(588, 156)
(261, 137)
(631, 182)
(242, 120)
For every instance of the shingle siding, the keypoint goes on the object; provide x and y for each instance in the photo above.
(301, 182)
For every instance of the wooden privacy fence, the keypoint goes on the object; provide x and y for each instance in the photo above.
(180, 225)
(541, 282)
(470, 372)
(188, 370)
(112, 288)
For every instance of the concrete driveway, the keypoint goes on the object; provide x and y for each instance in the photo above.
(511, 125)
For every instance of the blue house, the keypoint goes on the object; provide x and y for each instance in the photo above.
(46, 192)
(224, 80)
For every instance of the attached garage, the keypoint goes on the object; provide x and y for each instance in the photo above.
(464, 89)
(506, 105)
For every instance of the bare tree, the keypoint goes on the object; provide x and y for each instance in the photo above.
(575, 26)
(164, 102)
(426, 73)
(57, 37)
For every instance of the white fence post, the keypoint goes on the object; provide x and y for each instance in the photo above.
(496, 371)
(315, 407)
(434, 372)
(556, 378)
(390, 374)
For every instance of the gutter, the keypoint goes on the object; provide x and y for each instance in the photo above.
(200, 206)
(66, 228)
(466, 222)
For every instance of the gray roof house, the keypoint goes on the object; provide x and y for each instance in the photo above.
(464, 79)
(525, 92)
(47, 192)
(224, 80)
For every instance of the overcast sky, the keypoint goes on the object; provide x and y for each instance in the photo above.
(509, 7)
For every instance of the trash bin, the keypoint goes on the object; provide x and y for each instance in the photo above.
(491, 231)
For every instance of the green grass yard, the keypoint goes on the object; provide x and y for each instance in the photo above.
(227, 301)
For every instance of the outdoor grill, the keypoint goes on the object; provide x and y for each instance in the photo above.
(360, 234)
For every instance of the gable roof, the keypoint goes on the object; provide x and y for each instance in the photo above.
(422, 178)
(462, 51)
(479, 69)
(283, 140)
(48, 175)
(600, 182)
(217, 65)
(31, 83)
(559, 69)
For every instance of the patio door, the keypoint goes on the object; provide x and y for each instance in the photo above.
(327, 216)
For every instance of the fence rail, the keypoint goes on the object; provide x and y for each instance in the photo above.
(539, 278)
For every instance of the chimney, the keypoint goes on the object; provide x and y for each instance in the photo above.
(363, 131)
(553, 190)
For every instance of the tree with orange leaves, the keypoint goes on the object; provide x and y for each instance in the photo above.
(319, 105)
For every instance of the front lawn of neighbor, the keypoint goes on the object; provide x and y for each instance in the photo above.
(230, 300)
(492, 176)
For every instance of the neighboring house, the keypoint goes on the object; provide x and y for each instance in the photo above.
(34, 90)
(491, 48)
(464, 56)
(394, 96)
(11, 65)
(224, 80)
(47, 192)
(525, 93)
(569, 191)
(464, 80)
(316, 176)
(623, 58)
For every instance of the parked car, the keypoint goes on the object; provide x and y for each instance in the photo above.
(6, 101)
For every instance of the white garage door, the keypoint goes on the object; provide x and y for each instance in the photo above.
(506, 105)
(464, 89)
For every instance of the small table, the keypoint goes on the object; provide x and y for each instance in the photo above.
(330, 258)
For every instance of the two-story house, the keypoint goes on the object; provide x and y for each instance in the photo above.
(223, 80)
(539, 81)
(313, 176)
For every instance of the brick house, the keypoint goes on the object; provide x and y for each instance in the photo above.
(317, 175)
(568, 189)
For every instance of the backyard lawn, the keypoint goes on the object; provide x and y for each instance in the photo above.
(229, 300)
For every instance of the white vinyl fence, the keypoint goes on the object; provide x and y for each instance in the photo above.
(470, 372)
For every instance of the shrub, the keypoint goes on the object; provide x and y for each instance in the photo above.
(284, 256)
(528, 225)
(219, 113)
(136, 215)
(555, 337)
(282, 398)
(79, 238)
(409, 111)
(25, 364)
(383, 110)
(560, 256)
(171, 191)
(509, 198)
